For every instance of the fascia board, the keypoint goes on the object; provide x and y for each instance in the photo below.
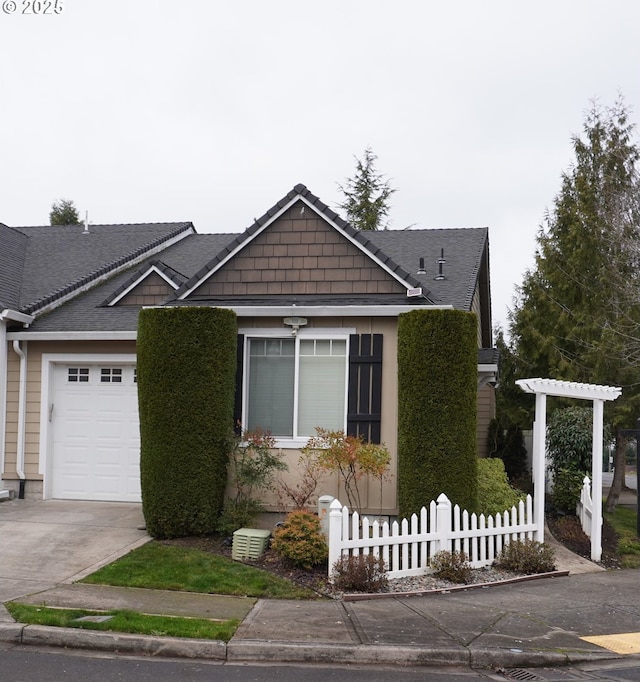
(72, 336)
(326, 310)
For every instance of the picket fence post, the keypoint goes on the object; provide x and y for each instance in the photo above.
(335, 535)
(443, 524)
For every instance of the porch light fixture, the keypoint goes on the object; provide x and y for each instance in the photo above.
(295, 323)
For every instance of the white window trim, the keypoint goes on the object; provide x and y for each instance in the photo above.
(337, 333)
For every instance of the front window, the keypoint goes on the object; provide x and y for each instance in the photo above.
(295, 384)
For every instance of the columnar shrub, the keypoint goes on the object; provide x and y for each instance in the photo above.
(437, 391)
(186, 386)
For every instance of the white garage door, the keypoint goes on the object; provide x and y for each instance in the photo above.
(95, 433)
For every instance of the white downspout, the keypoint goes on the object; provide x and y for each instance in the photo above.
(22, 404)
(3, 401)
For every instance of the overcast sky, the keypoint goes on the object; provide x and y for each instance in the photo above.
(209, 111)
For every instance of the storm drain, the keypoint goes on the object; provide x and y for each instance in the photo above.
(520, 674)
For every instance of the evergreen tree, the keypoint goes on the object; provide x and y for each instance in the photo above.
(567, 321)
(577, 314)
(64, 212)
(367, 195)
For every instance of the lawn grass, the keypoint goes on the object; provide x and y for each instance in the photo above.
(169, 567)
(624, 523)
(125, 621)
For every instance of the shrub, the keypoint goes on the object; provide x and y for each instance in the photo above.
(567, 484)
(527, 556)
(186, 385)
(570, 438)
(437, 393)
(506, 441)
(495, 495)
(451, 566)
(300, 540)
(361, 573)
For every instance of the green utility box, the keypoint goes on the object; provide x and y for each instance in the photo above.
(249, 543)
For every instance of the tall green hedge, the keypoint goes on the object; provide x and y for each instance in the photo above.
(186, 387)
(437, 390)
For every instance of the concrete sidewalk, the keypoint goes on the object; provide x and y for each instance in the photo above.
(537, 622)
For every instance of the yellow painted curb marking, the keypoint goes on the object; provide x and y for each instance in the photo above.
(623, 643)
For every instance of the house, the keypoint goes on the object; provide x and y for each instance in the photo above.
(317, 304)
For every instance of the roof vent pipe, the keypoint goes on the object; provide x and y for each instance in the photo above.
(421, 270)
(441, 262)
(86, 223)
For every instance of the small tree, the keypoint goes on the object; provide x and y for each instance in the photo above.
(64, 212)
(351, 458)
(367, 195)
(252, 467)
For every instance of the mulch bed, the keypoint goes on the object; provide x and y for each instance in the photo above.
(568, 532)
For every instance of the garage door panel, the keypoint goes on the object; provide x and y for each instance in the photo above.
(95, 433)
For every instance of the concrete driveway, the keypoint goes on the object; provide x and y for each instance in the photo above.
(47, 542)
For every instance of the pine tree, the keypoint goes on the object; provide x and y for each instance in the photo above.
(367, 195)
(64, 212)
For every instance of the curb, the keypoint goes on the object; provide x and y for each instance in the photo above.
(122, 643)
(247, 651)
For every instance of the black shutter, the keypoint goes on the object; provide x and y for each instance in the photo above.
(365, 386)
(237, 407)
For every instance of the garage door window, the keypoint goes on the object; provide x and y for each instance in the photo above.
(78, 375)
(111, 375)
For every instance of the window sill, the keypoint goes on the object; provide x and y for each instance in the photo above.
(291, 443)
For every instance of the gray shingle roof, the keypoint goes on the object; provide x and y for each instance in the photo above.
(12, 256)
(60, 259)
(463, 248)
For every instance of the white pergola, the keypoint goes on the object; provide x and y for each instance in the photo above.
(568, 389)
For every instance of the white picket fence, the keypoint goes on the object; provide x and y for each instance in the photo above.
(585, 506)
(407, 547)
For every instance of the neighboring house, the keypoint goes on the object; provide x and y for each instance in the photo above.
(317, 304)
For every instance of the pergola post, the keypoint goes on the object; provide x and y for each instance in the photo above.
(538, 465)
(596, 481)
